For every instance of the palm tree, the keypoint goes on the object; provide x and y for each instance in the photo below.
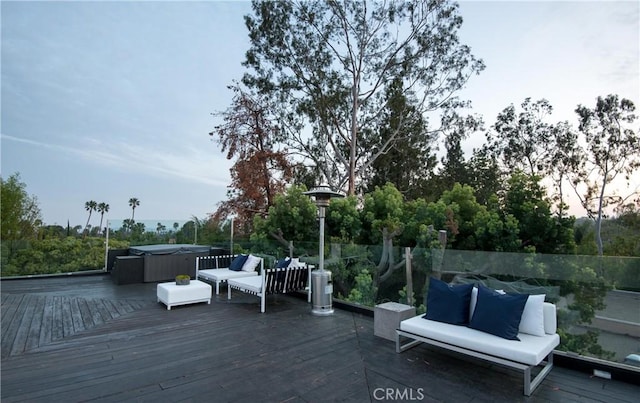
(102, 208)
(127, 224)
(133, 203)
(90, 206)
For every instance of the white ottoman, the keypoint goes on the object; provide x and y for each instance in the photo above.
(171, 294)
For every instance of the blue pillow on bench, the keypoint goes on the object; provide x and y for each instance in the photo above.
(238, 262)
(282, 263)
(448, 303)
(498, 314)
(281, 275)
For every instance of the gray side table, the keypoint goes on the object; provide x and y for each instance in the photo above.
(387, 318)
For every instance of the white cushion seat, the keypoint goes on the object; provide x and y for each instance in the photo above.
(248, 284)
(224, 274)
(531, 350)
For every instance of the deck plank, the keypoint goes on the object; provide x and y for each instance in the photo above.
(46, 331)
(57, 326)
(116, 343)
(10, 322)
(35, 327)
(10, 303)
(23, 323)
(77, 320)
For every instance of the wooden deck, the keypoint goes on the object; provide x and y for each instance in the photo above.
(85, 339)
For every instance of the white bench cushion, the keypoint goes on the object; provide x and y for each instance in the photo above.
(224, 274)
(529, 350)
(252, 284)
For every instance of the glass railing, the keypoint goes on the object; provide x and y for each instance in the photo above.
(598, 298)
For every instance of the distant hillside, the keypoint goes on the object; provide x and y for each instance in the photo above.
(613, 232)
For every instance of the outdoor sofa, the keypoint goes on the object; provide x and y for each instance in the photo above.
(487, 324)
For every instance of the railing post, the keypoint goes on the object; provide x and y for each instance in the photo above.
(407, 259)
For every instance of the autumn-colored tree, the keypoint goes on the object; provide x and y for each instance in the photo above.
(260, 171)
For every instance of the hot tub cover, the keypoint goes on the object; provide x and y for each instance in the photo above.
(167, 249)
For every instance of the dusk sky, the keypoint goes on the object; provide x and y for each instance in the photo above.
(108, 100)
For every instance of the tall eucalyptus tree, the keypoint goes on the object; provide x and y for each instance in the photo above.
(328, 65)
(613, 148)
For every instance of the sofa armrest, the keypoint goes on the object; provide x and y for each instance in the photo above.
(550, 319)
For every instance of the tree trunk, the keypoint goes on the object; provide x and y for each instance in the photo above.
(354, 138)
(387, 264)
(599, 219)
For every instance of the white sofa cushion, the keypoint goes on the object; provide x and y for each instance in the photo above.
(529, 350)
(532, 321)
(550, 320)
(251, 263)
(251, 284)
(224, 274)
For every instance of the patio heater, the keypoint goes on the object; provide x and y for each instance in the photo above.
(321, 286)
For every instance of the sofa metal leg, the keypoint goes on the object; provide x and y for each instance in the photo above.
(531, 384)
(404, 347)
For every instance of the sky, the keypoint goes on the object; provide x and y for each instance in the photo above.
(106, 101)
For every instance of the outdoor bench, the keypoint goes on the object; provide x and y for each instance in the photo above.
(216, 269)
(274, 281)
(524, 354)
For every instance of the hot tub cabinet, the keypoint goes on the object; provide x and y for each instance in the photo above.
(156, 263)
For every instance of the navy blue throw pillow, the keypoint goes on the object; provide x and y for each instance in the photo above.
(498, 314)
(448, 303)
(238, 262)
(282, 263)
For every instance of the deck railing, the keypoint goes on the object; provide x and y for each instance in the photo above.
(598, 298)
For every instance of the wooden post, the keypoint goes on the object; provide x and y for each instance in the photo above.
(407, 257)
